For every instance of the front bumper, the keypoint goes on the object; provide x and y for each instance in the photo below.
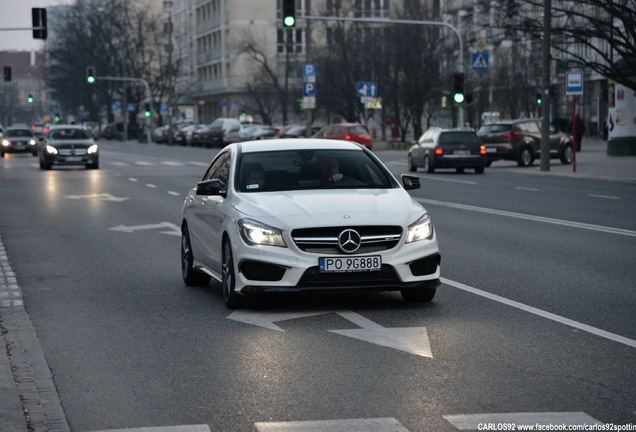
(71, 160)
(272, 269)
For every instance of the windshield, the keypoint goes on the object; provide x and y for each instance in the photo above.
(18, 133)
(70, 134)
(310, 169)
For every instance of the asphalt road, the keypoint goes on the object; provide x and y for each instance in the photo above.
(534, 322)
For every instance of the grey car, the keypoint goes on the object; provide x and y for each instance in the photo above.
(68, 145)
(520, 141)
(18, 140)
(447, 148)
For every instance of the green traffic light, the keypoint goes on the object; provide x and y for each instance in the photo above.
(458, 97)
(289, 21)
(539, 101)
(147, 114)
(30, 99)
(90, 79)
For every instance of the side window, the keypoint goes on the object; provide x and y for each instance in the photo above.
(220, 167)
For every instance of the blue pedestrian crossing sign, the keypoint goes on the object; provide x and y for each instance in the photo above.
(480, 61)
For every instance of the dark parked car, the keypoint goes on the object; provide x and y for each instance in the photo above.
(18, 140)
(297, 131)
(222, 131)
(257, 132)
(68, 145)
(348, 132)
(447, 148)
(115, 131)
(520, 141)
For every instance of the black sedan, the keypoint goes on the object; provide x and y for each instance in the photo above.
(448, 148)
(18, 140)
(68, 145)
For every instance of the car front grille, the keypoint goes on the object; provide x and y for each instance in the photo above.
(72, 150)
(325, 240)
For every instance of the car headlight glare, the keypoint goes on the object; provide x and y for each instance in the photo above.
(32, 142)
(255, 233)
(50, 149)
(421, 229)
(6, 143)
(92, 149)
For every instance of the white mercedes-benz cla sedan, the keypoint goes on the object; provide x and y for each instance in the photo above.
(306, 215)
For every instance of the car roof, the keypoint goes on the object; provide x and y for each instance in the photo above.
(69, 126)
(296, 144)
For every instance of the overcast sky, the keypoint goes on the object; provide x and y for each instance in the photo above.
(17, 14)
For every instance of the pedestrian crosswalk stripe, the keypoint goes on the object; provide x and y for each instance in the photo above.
(192, 428)
(472, 421)
(385, 424)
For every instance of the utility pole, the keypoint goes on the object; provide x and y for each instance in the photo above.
(545, 106)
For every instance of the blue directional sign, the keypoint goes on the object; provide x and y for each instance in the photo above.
(309, 89)
(367, 89)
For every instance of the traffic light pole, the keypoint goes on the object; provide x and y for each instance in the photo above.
(460, 60)
(148, 93)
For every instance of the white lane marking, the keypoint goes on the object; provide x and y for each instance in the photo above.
(473, 421)
(604, 196)
(173, 193)
(413, 340)
(191, 428)
(119, 163)
(150, 185)
(172, 163)
(571, 224)
(205, 164)
(527, 189)
(562, 320)
(385, 424)
(132, 179)
(142, 163)
(175, 230)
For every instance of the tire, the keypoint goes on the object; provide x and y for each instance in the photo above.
(412, 166)
(479, 170)
(228, 279)
(191, 277)
(1, 154)
(422, 295)
(459, 170)
(428, 166)
(526, 158)
(567, 156)
(488, 163)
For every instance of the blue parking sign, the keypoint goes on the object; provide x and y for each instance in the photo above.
(309, 89)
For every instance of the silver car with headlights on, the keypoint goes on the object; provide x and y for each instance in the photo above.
(306, 215)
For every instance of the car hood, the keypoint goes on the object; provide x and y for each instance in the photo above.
(293, 209)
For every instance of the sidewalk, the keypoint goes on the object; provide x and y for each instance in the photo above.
(591, 162)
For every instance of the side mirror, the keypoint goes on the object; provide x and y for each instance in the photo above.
(211, 188)
(410, 182)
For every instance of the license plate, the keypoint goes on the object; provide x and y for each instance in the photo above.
(351, 264)
(20, 147)
(462, 152)
(73, 159)
(491, 150)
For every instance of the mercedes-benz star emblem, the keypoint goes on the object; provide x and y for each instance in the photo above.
(349, 241)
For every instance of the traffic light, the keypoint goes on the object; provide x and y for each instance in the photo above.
(90, 74)
(7, 73)
(30, 99)
(458, 95)
(289, 13)
(38, 20)
(539, 96)
(147, 112)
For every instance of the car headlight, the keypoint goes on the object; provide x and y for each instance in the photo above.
(256, 233)
(92, 149)
(32, 142)
(421, 229)
(6, 143)
(50, 149)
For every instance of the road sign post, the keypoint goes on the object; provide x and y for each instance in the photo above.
(574, 87)
(309, 94)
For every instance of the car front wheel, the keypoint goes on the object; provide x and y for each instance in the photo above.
(191, 277)
(412, 166)
(567, 156)
(228, 279)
